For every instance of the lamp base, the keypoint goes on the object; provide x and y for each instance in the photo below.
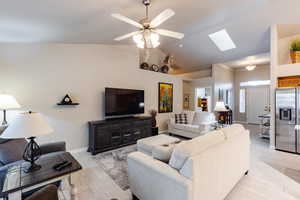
(31, 154)
(4, 123)
(32, 167)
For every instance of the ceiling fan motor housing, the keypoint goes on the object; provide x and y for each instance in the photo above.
(146, 2)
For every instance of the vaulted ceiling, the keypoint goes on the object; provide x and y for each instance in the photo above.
(89, 21)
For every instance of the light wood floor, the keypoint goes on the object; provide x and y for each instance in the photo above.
(273, 176)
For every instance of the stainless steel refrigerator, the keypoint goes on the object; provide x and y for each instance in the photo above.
(287, 117)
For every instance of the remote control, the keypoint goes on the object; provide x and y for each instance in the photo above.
(68, 164)
(59, 164)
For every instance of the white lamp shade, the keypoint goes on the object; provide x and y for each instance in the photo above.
(220, 107)
(8, 102)
(27, 125)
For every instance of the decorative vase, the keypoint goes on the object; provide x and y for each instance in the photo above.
(164, 69)
(295, 56)
(153, 114)
(153, 120)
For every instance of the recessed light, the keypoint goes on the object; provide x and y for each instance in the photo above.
(250, 67)
(222, 40)
(181, 45)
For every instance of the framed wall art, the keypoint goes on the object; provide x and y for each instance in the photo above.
(165, 97)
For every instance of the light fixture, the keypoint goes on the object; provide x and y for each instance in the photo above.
(28, 125)
(7, 102)
(250, 67)
(147, 39)
(222, 40)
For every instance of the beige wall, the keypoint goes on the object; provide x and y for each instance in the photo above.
(197, 74)
(191, 85)
(40, 75)
(262, 72)
(223, 78)
(188, 90)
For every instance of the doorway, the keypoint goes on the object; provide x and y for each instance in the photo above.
(257, 100)
(203, 99)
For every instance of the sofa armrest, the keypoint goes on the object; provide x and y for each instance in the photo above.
(156, 180)
(205, 127)
(53, 147)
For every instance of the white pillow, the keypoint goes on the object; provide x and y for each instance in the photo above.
(193, 147)
(163, 152)
(190, 116)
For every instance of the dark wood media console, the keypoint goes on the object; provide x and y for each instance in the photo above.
(110, 134)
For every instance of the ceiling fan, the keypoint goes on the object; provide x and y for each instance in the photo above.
(148, 35)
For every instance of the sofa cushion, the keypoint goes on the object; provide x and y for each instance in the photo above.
(163, 152)
(233, 130)
(190, 115)
(145, 145)
(181, 118)
(187, 127)
(196, 146)
(204, 118)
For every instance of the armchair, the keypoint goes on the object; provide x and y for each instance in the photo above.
(47, 193)
(11, 150)
(11, 153)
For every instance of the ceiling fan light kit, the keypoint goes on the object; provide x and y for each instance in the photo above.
(148, 35)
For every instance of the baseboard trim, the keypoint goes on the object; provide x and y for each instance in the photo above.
(163, 132)
(240, 122)
(272, 147)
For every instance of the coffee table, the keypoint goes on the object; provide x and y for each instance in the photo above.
(14, 181)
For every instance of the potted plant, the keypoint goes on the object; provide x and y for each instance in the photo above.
(153, 114)
(295, 51)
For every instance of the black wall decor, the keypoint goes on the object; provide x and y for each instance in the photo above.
(67, 101)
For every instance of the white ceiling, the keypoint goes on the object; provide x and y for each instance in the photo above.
(259, 59)
(77, 21)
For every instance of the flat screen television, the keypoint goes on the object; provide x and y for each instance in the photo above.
(120, 102)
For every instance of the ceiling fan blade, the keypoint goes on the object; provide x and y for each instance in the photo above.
(169, 33)
(123, 37)
(127, 20)
(162, 17)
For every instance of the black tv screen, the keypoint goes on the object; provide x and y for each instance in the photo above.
(123, 102)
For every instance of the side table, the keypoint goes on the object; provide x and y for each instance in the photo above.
(14, 180)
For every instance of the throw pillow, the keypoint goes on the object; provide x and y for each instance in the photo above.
(190, 116)
(181, 118)
(163, 152)
(193, 147)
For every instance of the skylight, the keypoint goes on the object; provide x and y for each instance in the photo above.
(222, 40)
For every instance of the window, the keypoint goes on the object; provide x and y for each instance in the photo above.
(242, 100)
(255, 83)
(222, 40)
(228, 98)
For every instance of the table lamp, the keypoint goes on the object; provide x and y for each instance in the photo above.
(7, 102)
(220, 107)
(29, 125)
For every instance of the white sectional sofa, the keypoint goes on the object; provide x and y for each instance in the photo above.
(198, 124)
(204, 168)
